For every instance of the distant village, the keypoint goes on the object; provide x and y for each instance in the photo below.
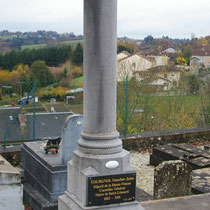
(15, 40)
(175, 70)
(158, 68)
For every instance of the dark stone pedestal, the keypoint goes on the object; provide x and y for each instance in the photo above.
(45, 175)
(36, 200)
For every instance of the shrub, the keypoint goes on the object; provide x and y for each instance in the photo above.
(76, 72)
(58, 93)
(44, 95)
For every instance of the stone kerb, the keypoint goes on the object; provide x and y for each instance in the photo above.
(71, 133)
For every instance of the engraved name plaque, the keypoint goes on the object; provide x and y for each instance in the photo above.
(111, 189)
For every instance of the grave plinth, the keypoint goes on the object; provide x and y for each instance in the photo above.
(99, 174)
(45, 174)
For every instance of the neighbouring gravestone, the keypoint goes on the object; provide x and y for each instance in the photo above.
(11, 189)
(172, 179)
(71, 133)
(45, 166)
(197, 158)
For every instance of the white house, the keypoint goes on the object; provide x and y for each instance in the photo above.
(165, 76)
(203, 55)
(195, 64)
(160, 60)
(129, 65)
(170, 50)
(122, 55)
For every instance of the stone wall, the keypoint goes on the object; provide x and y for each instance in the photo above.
(149, 140)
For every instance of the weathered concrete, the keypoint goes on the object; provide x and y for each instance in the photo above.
(36, 200)
(194, 202)
(100, 64)
(201, 180)
(11, 190)
(207, 147)
(197, 158)
(149, 140)
(172, 179)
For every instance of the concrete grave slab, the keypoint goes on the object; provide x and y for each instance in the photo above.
(11, 190)
(197, 158)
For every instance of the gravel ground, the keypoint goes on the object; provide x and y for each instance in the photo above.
(145, 172)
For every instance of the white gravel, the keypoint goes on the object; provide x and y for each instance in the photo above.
(144, 172)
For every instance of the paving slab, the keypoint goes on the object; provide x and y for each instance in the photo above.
(194, 202)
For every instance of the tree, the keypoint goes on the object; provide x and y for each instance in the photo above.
(181, 61)
(149, 39)
(64, 74)
(5, 76)
(76, 72)
(126, 46)
(77, 57)
(193, 84)
(187, 53)
(41, 73)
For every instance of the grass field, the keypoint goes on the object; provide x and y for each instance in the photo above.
(6, 37)
(77, 109)
(73, 42)
(33, 46)
(76, 83)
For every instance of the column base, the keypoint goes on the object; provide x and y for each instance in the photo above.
(93, 185)
(103, 144)
(70, 202)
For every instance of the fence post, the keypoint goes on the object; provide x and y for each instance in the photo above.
(34, 109)
(126, 102)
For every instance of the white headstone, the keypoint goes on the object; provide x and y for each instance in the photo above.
(71, 134)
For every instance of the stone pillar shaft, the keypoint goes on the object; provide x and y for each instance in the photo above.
(100, 71)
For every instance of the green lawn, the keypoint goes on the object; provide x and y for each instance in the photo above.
(73, 42)
(6, 37)
(76, 83)
(77, 109)
(33, 46)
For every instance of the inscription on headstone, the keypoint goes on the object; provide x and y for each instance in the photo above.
(111, 189)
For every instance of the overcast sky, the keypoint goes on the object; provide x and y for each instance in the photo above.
(136, 18)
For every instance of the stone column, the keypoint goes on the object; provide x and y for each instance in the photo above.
(100, 64)
(100, 164)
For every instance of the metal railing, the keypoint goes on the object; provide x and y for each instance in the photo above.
(33, 91)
